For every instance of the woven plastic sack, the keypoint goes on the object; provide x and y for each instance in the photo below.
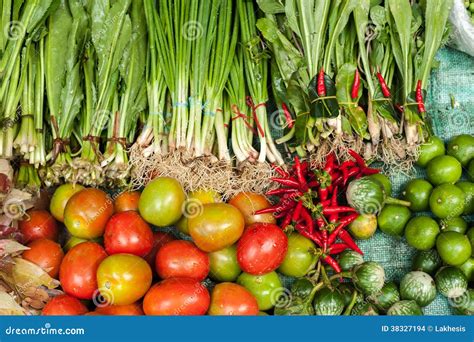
(462, 36)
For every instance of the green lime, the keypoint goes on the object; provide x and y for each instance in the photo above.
(454, 248)
(443, 169)
(385, 181)
(447, 200)
(468, 189)
(363, 227)
(470, 170)
(421, 232)
(470, 236)
(393, 218)
(468, 269)
(417, 192)
(461, 147)
(434, 147)
(453, 224)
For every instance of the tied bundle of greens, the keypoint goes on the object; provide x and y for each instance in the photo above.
(351, 73)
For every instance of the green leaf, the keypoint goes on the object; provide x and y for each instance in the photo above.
(358, 121)
(344, 81)
(271, 6)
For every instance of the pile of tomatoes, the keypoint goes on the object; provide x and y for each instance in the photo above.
(114, 258)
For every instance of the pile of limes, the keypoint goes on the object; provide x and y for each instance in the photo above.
(445, 200)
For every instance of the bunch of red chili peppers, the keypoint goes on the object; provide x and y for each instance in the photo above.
(308, 202)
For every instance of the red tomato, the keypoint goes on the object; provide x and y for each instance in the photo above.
(39, 224)
(159, 240)
(127, 232)
(60, 198)
(177, 296)
(231, 299)
(79, 267)
(262, 248)
(64, 305)
(46, 254)
(127, 200)
(182, 259)
(248, 203)
(123, 278)
(134, 309)
(87, 213)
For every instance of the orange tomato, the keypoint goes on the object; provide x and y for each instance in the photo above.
(217, 226)
(177, 296)
(134, 309)
(38, 224)
(248, 203)
(232, 299)
(127, 200)
(64, 305)
(46, 254)
(87, 213)
(79, 267)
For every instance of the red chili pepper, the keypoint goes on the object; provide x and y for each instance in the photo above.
(344, 222)
(321, 86)
(355, 85)
(299, 174)
(346, 237)
(334, 217)
(333, 263)
(305, 215)
(419, 97)
(280, 171)
(330, 163)
(312, 236)
(281, 191)
(290, 182)
(288, 118)
(320, 222)
(286, 221)
(338, 210)
(313, 184)
(338, 248)
(297, 212)
(359, 160)
(369, 171)
(383, 85)
(323, 193)
(348, 164)
(351, 173)
(324, 239)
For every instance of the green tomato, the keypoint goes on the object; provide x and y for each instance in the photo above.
(266, 288)
(224, 265)
(443, 169)
(432, 148)
(384, 180)
(393, 218)
(421, 232)
(417, 192)
(161, 202)
(454, 248)
(447, 200)
(468, 189)
(454, 224)
(300, 257)
(462, 148)
(427, 261)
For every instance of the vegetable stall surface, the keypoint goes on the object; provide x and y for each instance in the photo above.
(150, 137)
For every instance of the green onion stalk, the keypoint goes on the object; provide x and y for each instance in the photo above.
(65, 42)
(223, 51)
(242, 125)
(110, 36)
(131, 100)
(256, 72)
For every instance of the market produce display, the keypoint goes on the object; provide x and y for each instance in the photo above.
(228, 157)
